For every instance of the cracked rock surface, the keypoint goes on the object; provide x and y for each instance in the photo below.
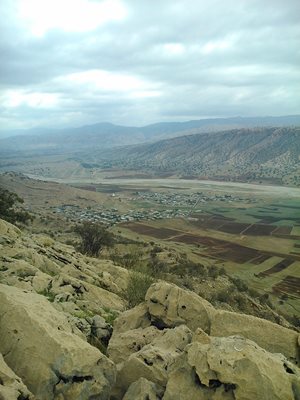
(11, 386)
(37, 342)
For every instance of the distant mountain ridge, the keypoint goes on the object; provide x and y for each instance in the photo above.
(244, 154)
(107, 135)
(267, 154)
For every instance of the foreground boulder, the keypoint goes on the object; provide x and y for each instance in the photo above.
(231, 368)
(38, 344)
(143, 389)
(11, 386)
(270, 336)
(153, 360)
(169, 306)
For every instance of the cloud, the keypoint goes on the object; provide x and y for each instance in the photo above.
(130, 62)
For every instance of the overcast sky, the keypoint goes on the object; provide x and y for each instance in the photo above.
(135, 62)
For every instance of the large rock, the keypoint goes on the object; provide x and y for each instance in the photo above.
(137, 317)
(89, 296)
(171, 306)
(270, 336)
(143, 389)
(231, 368)
(11, 386)
(38, 345)
(122, 345)
(153, 360)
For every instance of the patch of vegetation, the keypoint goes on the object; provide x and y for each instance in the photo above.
(94, 237)
(10, 209)
(50, 296)
(138, 284)
(110, 315)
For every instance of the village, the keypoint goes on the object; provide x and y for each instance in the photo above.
(166, 205)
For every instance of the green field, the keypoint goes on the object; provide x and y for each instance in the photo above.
(257, 241)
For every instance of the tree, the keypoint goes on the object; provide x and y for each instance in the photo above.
(94, 237)
(10, 208)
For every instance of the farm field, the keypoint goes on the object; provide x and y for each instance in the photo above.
(258, 241)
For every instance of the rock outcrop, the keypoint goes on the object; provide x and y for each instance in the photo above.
(143, 389)
(169, 306)
(57, 308)
(231, 368)
(153, 360)
(11, 386)
(188, 350)
(38, 344)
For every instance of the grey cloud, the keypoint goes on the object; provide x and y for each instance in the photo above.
(250, 65)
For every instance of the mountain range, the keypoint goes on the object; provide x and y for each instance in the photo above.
(107, 135)
(194, 149)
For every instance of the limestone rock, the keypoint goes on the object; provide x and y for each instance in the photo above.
(143, 389)
(231, 368)
(137, 317)
(122, 345)
(270, 336)
(38, 344)
(87, 295)
(9, 230)
(100, 329)
(201, 337)
(11, 386)
(171, 306)
(154, 360)
(112, 277)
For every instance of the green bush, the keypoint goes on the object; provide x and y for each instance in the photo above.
(138, 284)
(10, 209)
(94, 237)
(213, 272)
(240, 285)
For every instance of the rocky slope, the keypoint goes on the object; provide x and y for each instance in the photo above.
(57, 319)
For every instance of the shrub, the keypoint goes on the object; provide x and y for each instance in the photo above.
(240, 285)
(138, 284)
(223, 296)
(241, 301)
(94, 237)
(10, 208)
(213, 272)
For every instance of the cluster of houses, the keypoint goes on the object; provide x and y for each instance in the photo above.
(184, 199)
(112, 216)
(179, 205)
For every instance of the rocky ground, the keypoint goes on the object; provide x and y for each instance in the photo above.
(66, 333)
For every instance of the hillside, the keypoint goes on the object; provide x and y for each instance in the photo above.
(107, 135)
(69, 314)
(269, 154)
